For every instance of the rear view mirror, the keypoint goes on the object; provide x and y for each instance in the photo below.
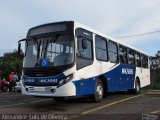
(19, 46)
(84, 43)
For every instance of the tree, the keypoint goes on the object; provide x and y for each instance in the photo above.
(155, 72)
(10, 61)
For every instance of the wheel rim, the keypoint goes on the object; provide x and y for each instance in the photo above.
(99, 91)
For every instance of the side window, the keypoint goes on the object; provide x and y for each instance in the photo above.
(85, 53)
(131, 58)
(101, 48)
(144, 60)
(123, 54)
(112, 52)
(138, 59)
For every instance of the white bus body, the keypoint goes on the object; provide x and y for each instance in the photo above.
(94, 58)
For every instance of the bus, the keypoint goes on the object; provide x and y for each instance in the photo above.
(67, 58)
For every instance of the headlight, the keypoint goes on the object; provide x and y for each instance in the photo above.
(65, 80)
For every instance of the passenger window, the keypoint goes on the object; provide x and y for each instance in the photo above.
(84, 53)
(138, 59)
(113, 52)
(101, 48)
(123, 54)
(144, 60)
(131, 58)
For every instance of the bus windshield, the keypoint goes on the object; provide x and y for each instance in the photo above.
(57, 50)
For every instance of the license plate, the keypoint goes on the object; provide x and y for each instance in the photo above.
(47, 89)
(39, 89)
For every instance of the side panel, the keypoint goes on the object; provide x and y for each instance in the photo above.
(85, 86)
(144, 76)
(123, 76)
(120, 77)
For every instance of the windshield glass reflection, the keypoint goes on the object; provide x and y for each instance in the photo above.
(49, 51)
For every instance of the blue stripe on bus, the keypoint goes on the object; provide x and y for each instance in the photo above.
(119, 78)
(87, 88)
(43, 81)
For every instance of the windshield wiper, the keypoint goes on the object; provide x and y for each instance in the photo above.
(48, 42)
(44, 48)
(38, 49)
(52, 40)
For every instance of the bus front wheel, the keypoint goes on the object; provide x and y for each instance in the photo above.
(99, 90)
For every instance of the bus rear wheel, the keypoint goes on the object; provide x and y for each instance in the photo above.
(136, 90)
(99, 90)
(137, 87)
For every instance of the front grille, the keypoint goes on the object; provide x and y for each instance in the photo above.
(41, 72)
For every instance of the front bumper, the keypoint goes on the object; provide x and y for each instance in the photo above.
(65, 90)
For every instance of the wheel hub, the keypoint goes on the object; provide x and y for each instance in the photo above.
(99, 91)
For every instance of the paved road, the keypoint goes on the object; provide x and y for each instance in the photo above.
(117, 106)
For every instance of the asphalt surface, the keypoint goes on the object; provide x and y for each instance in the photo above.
(117, 106)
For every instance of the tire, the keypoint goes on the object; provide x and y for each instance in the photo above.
(59, 99)
(99, 91)
(137, 87)
(5, 88)
(136, 90)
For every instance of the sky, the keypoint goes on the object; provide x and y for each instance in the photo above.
(115, 18)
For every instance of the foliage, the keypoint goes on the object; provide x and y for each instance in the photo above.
(155, 72)
(10, 61)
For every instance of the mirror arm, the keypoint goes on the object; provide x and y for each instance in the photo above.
(21, 41)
